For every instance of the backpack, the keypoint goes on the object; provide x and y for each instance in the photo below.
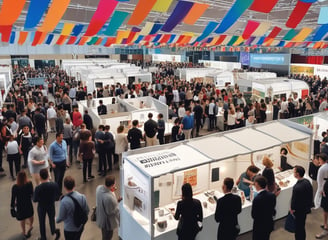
(79, 215)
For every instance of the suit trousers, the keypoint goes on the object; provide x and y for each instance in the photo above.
(73, 235)
(300, 219)
(106, 234)
(42, 211)
(59, 172)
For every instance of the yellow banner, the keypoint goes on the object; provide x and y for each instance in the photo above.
(304, 33)
(262, 29)
(162, 5)
(67, 29)
(147, 28)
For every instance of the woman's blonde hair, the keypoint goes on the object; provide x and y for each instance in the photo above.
(267, 162)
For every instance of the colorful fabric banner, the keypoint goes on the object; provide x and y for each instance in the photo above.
(115, 22)
(22, 37)
(249, 41)
(49, 39)
(220, 40)
(289, 45)
(10, 11)
(226, 40)
(157, 38)
(77, 30)
(250, 28)
(260, 41)
(147, 28)
(92, 41)
(138, 39)
(263, 6)
(207, 31)
(238, 41)
(290, 34)
(83, 40)
(162, 5)
(37, 37)
(122, 34)
(323, 15)
(281, 44)
(297, 14)
(67, 29)
(302, 35)
(156, 27)
(55, 13)
(12, 38)
(262, 29)
(321, 32)
(35, 12)
(180, 11)
(61, 40)
(141, 11)
(232, 40)
(237, 9)
(165, 38)
(268, 42)
(195, 13)
(71, 40)
(110, 41)
(172, 38)
(99, 18)
(275, 31)
(5, 33)
(131, 37)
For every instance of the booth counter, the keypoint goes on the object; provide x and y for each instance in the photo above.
(151, 178)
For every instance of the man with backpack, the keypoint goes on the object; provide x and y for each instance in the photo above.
(73, 211)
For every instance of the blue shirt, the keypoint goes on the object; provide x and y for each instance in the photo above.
(58, 152)
(66, 211)
(188, 122)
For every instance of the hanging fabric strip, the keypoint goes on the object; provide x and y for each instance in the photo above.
(37, 37)
(141, 11)
(207, 31)
(180, 38)
(10, 11)
(268, 42)
(297, 14)
(98, 41)
(260, 41)
(195, 13)
(35, 12)
(77, 30)
(158, 36)
(214, 40)
(302, 35)
(232, 40)
(274, 33)
(165, 38)
(323, 15)
(49, 39)
(22, 37)
(156, 28)
(281, 44)
(83, 40)
(122, 34)
(250, 28)
(321, 32)
(162, 5)
(220, 40)
(263, 6)
(12, 37)
(101, 15)
(92, 41)
(55, 13)
(180, 11)
(289, 45)
(130, 37)
(71, 40)
(5, 33)
(226, 40)
(115, 22)
(148, 38)
(110, 41)
(147, 28)
(67, 29)
(172, 38)
(249, 41)
(138, 39)
(238, 41)
(289, 35)
(262, 29)
(61, 40)
(233, 14)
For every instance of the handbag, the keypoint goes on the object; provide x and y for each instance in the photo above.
(13, 212)
(94, 214)
(290, 223)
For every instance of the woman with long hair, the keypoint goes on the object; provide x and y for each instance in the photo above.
(21, 201)
(189, 212)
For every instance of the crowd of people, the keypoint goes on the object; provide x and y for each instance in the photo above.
(30, 113)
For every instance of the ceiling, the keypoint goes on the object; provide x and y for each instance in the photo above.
(81, 11)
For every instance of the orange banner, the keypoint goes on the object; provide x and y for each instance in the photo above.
(141, 11)
(61, 40)
(55, 13)
(195, 13)
(83, 40)
(10, 11)
(22, 37)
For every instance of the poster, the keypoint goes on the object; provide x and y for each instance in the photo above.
(306, 70)
(190, 177)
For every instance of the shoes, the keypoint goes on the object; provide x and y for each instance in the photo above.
(29, 233)
(91, 177)
(104, 174)
(85, 181)
(57, 232)
(322, 234)
(100, 173)
(323, 227)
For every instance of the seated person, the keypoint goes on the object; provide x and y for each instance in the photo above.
(283, 160)
(245, 180)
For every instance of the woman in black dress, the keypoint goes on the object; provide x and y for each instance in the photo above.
(189, 212)
(21, 200)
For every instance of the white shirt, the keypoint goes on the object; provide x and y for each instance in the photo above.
(162, 99)
(181, 112)
(51, 113)
(211, 107)
(231, 119)
(322, 174)
(176, 97)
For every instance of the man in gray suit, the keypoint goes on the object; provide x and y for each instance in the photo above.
(107, 208)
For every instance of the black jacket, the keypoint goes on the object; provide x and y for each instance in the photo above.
(302, 197)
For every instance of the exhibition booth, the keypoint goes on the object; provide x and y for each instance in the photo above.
(189, 74)
(151, 178)
(227, 66)
(124, 111)
(220, 79)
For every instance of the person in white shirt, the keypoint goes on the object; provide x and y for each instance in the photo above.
(52, 115)
(181, 111)
(162, 98)
(211, 114)
(13, 156)
(176, 97)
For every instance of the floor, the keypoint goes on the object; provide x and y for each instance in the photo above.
(10, 228)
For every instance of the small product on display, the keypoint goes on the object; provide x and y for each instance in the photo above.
(205, 204)
(161, 225)
(284, 184)
(211, 200)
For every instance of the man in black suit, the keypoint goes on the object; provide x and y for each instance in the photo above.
(45, 195)
(227, 209)
(301, 203)
(263, 210)
(198, 115)
(102, 109)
